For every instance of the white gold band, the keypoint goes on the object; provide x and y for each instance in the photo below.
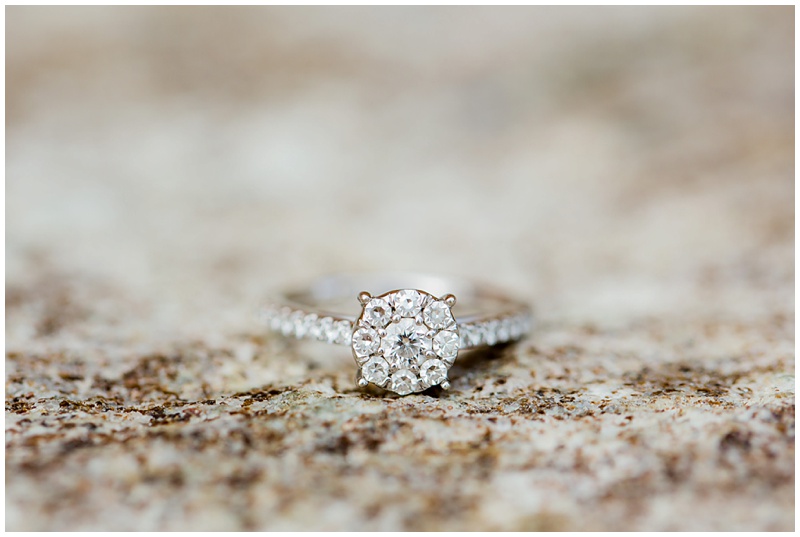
(326, 310)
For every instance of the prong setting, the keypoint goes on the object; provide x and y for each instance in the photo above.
(364, 297)
(360, 380)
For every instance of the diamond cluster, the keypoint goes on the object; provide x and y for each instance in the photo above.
(405, 341)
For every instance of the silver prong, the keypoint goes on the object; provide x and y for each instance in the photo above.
(380, 352)
(396, 318)
(382, 333)
(450, 300)
(445, 384)
(364, 297)
(360, 380)
(430, 354)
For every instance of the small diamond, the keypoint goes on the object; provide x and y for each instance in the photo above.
(470, 336)
(490, 332)
(504, 330)
(314, 329)
(326, 332)
(437, 315)
(404, 382)
(344, 331)
(378, 312)
(289, 323)
(307, 325)
(445, 344)
(407, 303)
(299, 328)
(366, 341)
(433, 372)
(375, 370)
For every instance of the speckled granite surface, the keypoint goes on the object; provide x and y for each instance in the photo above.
(629, 170)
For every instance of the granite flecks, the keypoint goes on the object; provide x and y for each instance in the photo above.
(568, 435)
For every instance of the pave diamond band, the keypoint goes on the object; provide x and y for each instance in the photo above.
(407, 338)
(303, 325)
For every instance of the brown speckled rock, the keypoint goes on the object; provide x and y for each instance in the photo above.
(629, 170)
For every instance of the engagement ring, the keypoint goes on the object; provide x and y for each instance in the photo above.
(410, 328)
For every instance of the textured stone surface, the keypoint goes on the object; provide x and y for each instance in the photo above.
(629, 169)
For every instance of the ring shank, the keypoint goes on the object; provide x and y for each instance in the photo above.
(485, 315)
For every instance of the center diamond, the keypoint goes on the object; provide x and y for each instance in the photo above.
(405, 343)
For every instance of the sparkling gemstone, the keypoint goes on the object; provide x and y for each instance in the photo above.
(445, 344)
(375, 370)
(301, 325)
(314, 329)
(297, 320)
(325, 330)
(366, 341)
(407, 303)
(490, 332)
(471, 335)
(405, 343)
(344, 331)
(404, 382)
(437, 315)
(433, 372)
(308, 323)
(378, 312)
(504, 330)
(289, 322)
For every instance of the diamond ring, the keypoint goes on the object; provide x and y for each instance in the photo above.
(409, 330)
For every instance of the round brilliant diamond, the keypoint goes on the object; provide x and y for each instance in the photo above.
(366, 341)
(378, 312)
(407, 303)
(437, 315)
(433, 372)
(404, 382)
(405, 343)
(375, 370)
(445, 344)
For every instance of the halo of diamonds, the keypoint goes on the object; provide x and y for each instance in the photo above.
(405, 341)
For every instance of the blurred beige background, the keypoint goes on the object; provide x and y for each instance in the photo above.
(630, 170)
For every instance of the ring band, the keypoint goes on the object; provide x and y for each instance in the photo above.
(410, 327)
